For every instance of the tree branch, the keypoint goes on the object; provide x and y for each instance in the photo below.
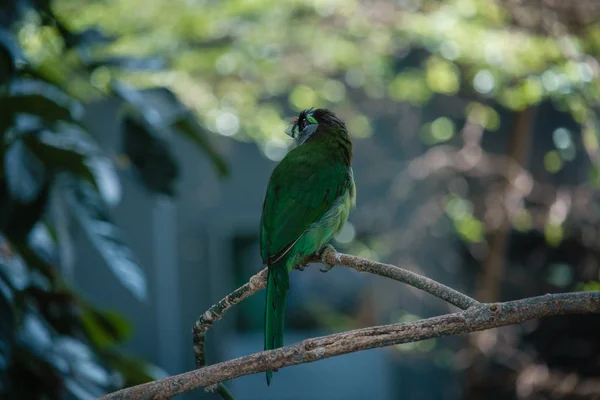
(454, 297)
(329, 256)
(477, 318)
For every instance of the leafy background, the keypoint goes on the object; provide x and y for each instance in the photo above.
(464, 89)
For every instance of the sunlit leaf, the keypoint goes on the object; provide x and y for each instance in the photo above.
(105, 328)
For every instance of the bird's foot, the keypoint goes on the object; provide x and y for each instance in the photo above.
(327, 268)
(325, 250)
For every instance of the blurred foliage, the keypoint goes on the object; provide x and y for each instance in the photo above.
(53, 172)
(241, 66)
(234, 61)
(236, 67)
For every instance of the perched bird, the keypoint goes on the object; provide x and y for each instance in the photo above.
(308, 199)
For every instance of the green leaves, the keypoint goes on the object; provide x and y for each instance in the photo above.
(151, 116)
(92, 213)
(24, 173)
(151, 155)
(52, 171)
(46, 101)
(10, 56)
(104, 328)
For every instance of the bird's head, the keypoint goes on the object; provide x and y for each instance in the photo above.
(303, 126)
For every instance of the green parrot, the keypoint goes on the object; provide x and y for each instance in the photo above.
(308, 199)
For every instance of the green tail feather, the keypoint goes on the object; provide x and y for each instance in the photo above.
(277, 287)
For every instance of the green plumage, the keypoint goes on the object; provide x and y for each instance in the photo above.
(308, 200)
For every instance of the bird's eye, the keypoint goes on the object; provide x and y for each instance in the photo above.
(303, 124)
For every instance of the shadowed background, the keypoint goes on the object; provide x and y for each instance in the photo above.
(138, 138)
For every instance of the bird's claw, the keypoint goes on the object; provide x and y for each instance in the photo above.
(301, 267)
(323, 256)
(327, 268)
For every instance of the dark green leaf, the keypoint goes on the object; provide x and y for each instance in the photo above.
(93, 216)
(72, 150)
(7, 321)
(23, 193)
(85, 39)
(47, 354)
(31, 96)
(12, 268)
(161, 110)
(158, 107)
(191, 130)
(104, 328)
(134, 370)
(58, 308)
(42, 273)
(151, 156)
(86, 377)
(24, 173)
(128, 63)
(6, 332)
(42, 242)
(10, 56)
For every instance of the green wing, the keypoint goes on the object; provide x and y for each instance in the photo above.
(301, 190)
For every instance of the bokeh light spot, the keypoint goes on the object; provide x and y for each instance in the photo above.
(484, 81)
(302, 97)
(552, 161)
(227, 123)
(562, 138)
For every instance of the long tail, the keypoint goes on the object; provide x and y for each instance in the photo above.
(277, 287)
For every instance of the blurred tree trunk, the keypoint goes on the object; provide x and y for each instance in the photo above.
(489, 283)
(492, 273)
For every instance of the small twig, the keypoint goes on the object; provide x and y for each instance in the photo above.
(256, 283)
(477, 318)
(215, 313)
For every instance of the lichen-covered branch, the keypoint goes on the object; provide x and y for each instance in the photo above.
(256, 283)
(477, 318)
(329, 256)
(430, 286)
(215, 313)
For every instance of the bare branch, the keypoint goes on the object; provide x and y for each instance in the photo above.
(256, 283)
(215, 313)
(259, 282)
(445, 293)
(476, 318)
(330, 256)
